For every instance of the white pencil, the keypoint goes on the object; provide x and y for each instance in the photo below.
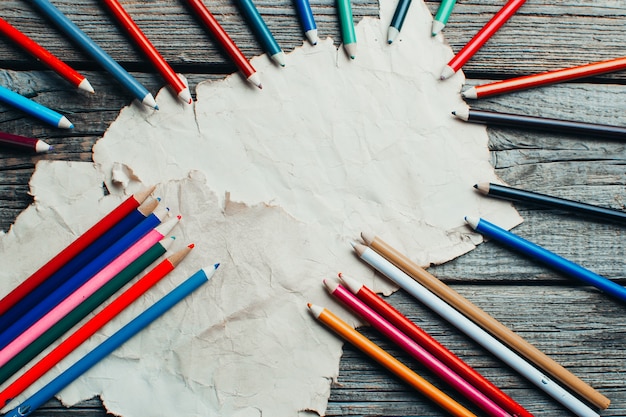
(474, 331)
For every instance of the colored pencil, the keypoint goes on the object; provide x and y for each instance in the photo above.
(443, 14)
(23, 143)
(34, 109)
(541, 123)
(307, 20)
(141, 40)
(544, 200)
(346, 22)
(98, 54)
(487, 322)
(225, 41)
(45, 56)
(261, 31)
(381, 356)
(78, 279)
(545, 78)
(397, 20)
(87, 238)
(483, 35)
(80, 312)
(475, 332)
(87, 289)
(113, 342)
(407, 344)
(88, 254)
(376, 303)
(546, 257)
(94, 324)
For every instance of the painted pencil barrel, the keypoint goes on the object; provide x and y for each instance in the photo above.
(259, 27)
(31, 107)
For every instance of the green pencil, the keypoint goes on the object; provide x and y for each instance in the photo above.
(442, 16)
(344, 8)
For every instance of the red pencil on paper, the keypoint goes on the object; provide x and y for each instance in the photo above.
(76, 247)
(225, 41)
(46, 57)
(129, 25)
(88, 329)
(23, 142)
(481, 37)
(416, 333)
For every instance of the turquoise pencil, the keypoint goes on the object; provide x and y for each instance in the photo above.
(35, 109)
(442, 16)
(89, 46)
(261, 31)
(112, 343)
(346, 21)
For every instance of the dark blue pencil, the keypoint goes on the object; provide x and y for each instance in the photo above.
(303, 8)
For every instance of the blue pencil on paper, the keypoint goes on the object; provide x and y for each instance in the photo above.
(303, 8)
(55, 280)
(33, 108)
(545, 256)
(116, 340)
(397, 20)
(78, 279)
(89, 46)
(261, 31)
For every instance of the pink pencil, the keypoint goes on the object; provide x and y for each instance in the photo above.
(87, 289)
(415, 350)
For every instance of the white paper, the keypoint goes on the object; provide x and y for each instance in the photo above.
(274, 185)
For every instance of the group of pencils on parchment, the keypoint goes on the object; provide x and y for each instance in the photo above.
(89, 272)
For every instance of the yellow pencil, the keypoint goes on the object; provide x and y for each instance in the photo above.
(368, 347)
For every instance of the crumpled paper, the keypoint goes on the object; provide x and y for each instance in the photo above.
(274, 185)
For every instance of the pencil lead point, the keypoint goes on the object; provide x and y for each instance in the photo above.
(217, 265)
(191, 245)
(476, 186)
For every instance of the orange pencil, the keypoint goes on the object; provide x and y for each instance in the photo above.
(374, 351)
(180, 88)
(45, 56)
(544, 78)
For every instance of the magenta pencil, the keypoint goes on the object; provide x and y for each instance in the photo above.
(415, 350)
(85, 291)
(23, 143)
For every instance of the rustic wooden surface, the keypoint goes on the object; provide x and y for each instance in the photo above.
(580, 328)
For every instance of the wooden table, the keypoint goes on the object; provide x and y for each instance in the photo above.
(577, 326)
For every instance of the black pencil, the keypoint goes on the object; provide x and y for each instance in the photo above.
(541, 123)
(514, 194)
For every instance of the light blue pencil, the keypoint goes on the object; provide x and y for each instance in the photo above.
(543, 255)
(112, 343)
(34, 109)
(89, 46)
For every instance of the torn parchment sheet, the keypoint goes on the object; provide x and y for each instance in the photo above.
(273, 184)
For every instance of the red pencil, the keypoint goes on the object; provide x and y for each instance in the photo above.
(88, 329)
(225, 41)
(46, 57)
(481, 37)
(76, 247)
(409, 328)
(147, 48)
(23, 142)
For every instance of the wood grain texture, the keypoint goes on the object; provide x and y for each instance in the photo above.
(579, 327)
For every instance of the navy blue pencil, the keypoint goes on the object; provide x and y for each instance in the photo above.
(546, 257)
(303, 8)
(78, 279)
(30, 300)
(89, 46)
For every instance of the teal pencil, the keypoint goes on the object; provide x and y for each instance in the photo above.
(397, 20)
(442, 16)
(346, 21)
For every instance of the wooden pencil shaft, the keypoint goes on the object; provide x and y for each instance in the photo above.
(543, 123)
(490, 324)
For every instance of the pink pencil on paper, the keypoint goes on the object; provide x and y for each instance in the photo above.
(86, 290)
(415, 350)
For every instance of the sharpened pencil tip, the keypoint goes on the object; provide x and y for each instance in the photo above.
(191, 245)
(309, 305)
(476, 186)
(217, 265)
(179, 216)
(340, 274)
(260, 86)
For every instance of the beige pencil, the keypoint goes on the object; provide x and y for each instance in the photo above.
(484, 320)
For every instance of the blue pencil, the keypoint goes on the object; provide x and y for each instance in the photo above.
(116, 340)
(34, 109)
(114, 234)
(397, 20)
(261, 31)
(78, 279)
(545, 256)
(303, 8)
(89, 46)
